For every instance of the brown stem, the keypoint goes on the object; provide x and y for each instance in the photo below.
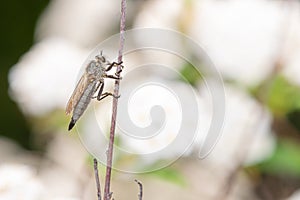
(140, 196)
(107, 193)
(97, 179)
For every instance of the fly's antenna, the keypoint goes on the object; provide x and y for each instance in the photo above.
(99, 55)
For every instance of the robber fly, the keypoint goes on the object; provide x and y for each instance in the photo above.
(87, 86)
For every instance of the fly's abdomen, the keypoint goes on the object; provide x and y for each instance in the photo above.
(83, 102)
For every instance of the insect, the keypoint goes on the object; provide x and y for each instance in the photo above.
(90, 82)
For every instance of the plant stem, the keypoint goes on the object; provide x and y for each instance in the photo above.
(140, 196)
(97, 179)
(107, 193)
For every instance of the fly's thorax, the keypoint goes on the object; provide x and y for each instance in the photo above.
(92, 67)
(95, 69)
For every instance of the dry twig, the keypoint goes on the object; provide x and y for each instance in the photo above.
(107, 193)
(97, 179)
(140, 195)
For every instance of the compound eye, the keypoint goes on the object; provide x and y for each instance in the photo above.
(98, 57)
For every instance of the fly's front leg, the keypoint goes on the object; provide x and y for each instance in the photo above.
(116, 64)
(119, 70)
(111, 65)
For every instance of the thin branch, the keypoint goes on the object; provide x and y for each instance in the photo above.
(140, 195)
(97, 179)
(107, 193)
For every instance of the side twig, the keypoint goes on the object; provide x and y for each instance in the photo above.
(107, 193)
(140, 196)
(97, 179)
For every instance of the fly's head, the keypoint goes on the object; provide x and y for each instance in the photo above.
(100, 58)
(102, 61)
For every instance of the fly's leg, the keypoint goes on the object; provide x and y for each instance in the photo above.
(100, 91)
(97, 87)
(106, 94)
(111, 65)
(113, 77)
(101, 96)
(119, 70)
(101, 85)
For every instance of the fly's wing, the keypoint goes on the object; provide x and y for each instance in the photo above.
(80, 88)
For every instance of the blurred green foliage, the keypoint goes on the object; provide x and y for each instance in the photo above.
(171, 175)
(294, 119)
(18, 20)
(285, 159)
(190, 74)
(283, 96)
